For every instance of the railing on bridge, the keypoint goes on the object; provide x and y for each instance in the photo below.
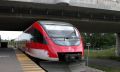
(64, 11)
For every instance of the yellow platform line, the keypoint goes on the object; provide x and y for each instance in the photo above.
(27, 64)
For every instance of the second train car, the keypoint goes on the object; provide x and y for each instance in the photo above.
(52, 40)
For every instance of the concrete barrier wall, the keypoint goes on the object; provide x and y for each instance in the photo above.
(102, 4)
(84, 1)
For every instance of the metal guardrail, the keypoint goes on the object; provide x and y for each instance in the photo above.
(66, 11)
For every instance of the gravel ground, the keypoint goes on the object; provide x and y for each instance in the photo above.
(89, 69)
(105, 62)
(64, 67)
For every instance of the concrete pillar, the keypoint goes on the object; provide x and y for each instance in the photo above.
(118, 44)
(0, 40)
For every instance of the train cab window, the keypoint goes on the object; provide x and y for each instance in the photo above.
(63, 34)
(38, 37)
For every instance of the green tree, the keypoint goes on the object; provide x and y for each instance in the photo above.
(99, 40)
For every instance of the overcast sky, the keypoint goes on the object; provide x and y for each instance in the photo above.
(8, 35)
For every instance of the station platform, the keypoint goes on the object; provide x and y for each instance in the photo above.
(27, 64)
(12, 60)
(8, 61)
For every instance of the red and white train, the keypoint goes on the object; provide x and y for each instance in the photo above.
(52, 40)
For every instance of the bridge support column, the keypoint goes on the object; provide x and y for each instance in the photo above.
(118, 44)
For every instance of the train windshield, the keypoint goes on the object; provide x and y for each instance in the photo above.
(63, 34)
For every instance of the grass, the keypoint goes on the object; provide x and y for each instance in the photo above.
(104, 54)
(106, 69)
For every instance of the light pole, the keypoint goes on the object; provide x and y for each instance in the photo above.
(88, 51)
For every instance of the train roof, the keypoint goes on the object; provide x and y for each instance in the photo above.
(54, 23)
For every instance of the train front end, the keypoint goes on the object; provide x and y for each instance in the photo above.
(64, 42)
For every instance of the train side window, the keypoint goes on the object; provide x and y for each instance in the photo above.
(38, 37)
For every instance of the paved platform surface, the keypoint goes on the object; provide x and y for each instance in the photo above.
(27, 64)
(8, 61)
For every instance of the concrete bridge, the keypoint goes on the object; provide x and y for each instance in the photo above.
(86, 15)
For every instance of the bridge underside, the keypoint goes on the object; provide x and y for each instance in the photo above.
(20, 23)
(17, 16)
